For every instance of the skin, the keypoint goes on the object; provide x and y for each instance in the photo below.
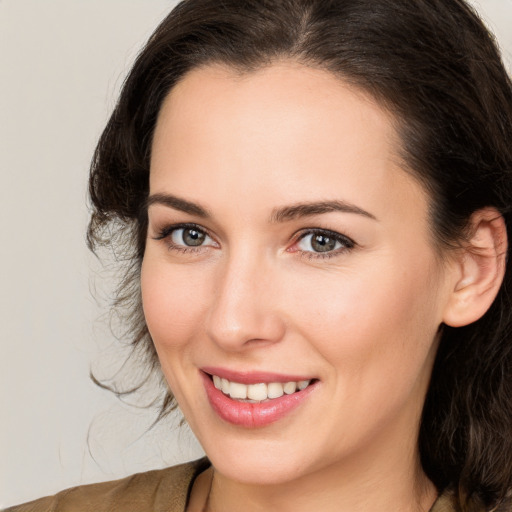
(256, 296)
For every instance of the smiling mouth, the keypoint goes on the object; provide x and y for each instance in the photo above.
(259, 392)
(261, 399)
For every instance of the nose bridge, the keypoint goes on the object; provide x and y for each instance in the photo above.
(242, 308)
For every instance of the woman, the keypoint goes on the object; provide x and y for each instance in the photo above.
(315, 196)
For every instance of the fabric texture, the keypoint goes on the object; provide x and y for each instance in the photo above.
(165, 490)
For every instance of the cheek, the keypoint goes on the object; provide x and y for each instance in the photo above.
(173, 303)
(373, 325)
(376, 334)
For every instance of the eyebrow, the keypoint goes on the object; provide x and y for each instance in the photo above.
(292, 212)
(178, 204)
(283, 214)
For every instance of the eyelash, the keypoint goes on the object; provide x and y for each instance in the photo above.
(166, 232)
(347, 244)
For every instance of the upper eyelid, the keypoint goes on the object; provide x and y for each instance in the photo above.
(165, 233)
(335, 234)
(168, 229)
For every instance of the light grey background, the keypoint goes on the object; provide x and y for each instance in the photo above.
(61, 65)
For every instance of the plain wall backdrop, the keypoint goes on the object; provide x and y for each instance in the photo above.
(61, 65)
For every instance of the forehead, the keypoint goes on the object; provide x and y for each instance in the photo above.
(286, 97)
(284, 132)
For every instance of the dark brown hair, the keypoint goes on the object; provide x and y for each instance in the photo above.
(434, 65)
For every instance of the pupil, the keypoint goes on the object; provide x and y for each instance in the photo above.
(321, 243)
(193, 237)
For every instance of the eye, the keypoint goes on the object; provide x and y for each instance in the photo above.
(185, 237)
(320, 242)
(191, 237)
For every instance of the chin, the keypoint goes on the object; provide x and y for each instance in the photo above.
(262, 461)
(262, 471)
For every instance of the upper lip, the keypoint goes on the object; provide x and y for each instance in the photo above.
(253, 377)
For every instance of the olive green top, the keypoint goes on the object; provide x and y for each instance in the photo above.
(164, 490)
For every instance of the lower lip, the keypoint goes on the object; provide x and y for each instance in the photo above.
(249, 415)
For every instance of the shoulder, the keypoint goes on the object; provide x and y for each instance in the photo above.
(164, 490)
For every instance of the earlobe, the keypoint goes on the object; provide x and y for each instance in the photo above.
(480, 268)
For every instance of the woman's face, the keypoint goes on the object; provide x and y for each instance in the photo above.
(286, 244)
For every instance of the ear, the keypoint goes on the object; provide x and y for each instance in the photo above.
(479, 269)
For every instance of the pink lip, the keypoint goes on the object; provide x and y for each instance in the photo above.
(255, 415)
(252, 377)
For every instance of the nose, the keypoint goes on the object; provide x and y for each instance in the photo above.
(244, 311)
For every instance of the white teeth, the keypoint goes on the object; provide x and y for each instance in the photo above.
(303, 384)
(290, 387)
(257, 391)
(237, 390)
(225, 386)
(275, 390)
